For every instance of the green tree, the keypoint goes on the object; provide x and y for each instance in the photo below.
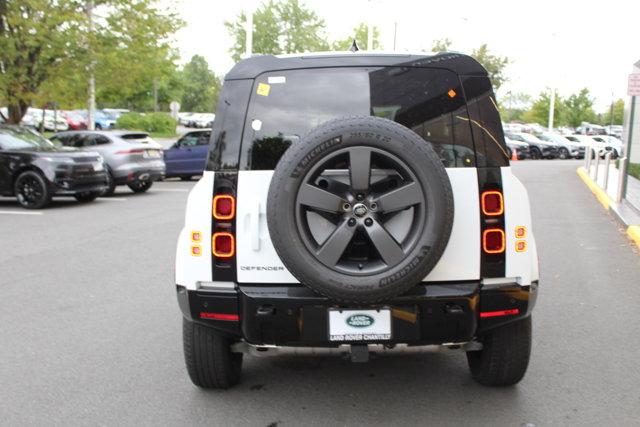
(46, 47)
(266, 32)
(39, 41)
(280, 27)
(513, 106)
(578, 108)
(133, 52)
(360, 35)
(539, 111)
(494, 64)
(441, 45)
(618, 113)
(200, 86)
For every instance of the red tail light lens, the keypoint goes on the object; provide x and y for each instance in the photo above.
(492, 203)
(493, 241)
(134, 151)
(224, 207)
(223, 245)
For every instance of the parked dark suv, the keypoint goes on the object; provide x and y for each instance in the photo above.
(357, 203)
(33, 169)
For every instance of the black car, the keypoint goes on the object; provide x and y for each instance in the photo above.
(33, 169)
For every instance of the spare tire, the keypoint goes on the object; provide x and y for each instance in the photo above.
(360, 209)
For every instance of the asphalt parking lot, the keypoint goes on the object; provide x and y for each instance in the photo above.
(91, 331)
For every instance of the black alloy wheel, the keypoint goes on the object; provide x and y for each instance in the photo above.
(359, 212)
(140, 186)
(31, 190)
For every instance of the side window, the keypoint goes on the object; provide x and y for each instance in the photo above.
(204, 138)
(76, 141)
(189, 140)
(486, 126)
(224, 152)
(101, 140)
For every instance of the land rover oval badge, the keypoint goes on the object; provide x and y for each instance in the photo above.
(359, 320)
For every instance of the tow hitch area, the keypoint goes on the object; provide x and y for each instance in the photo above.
(358, 353)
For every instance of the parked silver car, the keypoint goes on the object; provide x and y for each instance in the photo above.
(132, 158)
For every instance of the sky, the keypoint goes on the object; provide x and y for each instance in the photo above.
(568, 45)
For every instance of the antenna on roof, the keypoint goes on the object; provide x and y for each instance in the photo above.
(354, 46)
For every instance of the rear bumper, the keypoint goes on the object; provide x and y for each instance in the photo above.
(296, 316)
(139, 172)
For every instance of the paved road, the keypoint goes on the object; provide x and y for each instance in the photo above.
(91, 329)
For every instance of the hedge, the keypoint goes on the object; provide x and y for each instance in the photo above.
(634, 170)
(161, 123)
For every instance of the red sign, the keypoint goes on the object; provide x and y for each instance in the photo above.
(634, 84)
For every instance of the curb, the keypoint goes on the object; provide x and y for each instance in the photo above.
(633, 231)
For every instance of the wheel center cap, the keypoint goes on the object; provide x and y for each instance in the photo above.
(360, 210)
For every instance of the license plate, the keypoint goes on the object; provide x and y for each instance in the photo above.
(359, 325)
(151, 154)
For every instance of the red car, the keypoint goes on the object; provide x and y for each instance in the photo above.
(75, 120)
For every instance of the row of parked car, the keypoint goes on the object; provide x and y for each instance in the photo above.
(196, 120)
(62, 120)
(552, 145)
(88, 164)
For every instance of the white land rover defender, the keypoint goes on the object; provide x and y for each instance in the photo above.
(356, 203)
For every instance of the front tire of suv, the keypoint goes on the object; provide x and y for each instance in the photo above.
(535, 153)
(563, 153)
(208, 356)
(504, 357)
(31, 190)
(86, 196)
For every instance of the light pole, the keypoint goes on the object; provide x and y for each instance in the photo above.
(248, 47)
(552, 105)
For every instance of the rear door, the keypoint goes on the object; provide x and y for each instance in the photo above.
(284, 106)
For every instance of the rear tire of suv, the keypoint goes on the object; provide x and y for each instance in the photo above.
(208, 357)
(140, 186)
(504, 357)
(31, 190)
(86, 196)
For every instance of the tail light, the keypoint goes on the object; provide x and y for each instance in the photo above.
(492, 203)
(223, 244)
(493, 241)
(224, 207)
(132, 151)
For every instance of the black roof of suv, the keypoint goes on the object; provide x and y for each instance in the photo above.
(252, 67)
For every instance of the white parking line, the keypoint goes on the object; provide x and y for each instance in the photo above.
(20, 213)
(170, 190)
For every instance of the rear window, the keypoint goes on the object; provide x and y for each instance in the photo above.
(135, 137)
(286, 105)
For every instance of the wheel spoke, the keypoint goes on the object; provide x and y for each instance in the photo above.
(390, 251)
(360, 168)
(333, 248)
(400, 198)
(318, 198)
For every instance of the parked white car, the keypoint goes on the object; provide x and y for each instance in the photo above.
(566, 148)
(610, 143)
